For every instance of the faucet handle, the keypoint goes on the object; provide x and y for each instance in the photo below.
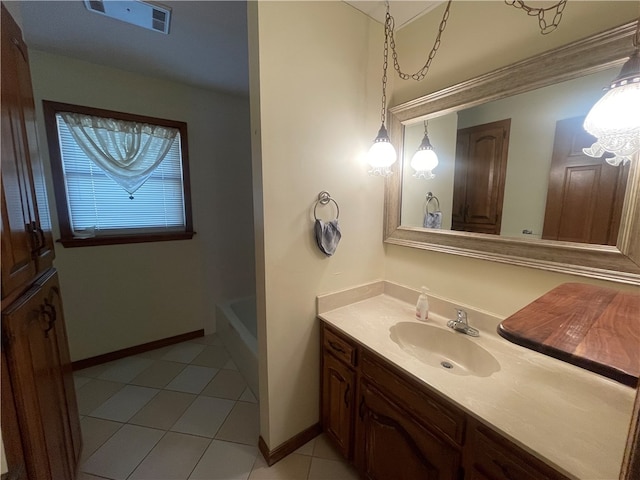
(461, 315)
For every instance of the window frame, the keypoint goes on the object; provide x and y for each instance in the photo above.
(67, 239)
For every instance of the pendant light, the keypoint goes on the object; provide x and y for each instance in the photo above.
(425, 158)
(615, 119)
(382, 155)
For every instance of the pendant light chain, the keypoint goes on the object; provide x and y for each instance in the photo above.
(389, 39)
(545, 27)
(420, 74)
(385, 64)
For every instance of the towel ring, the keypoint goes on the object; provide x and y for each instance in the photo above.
(431, 196)
(323, 199)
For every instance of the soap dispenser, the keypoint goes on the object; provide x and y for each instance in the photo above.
(422, 307)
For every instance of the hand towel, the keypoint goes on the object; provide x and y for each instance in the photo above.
(433, 220)
(327, 236)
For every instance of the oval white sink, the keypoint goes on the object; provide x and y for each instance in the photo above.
(444, 349)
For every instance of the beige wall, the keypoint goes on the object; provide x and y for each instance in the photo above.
(317, 108)
(482, 36)
(125, 295)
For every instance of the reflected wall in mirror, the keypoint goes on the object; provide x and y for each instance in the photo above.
(592, 187)
(537, 223)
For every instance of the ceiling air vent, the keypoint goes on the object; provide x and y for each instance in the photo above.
(143, 14)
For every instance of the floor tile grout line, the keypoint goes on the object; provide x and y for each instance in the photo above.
(105, 441)
(120, 428)
(148, 453)
(309, 468)
(210, 440)
(166, 432)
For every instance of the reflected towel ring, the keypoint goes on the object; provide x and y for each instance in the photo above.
(431, 196)
(323, 199)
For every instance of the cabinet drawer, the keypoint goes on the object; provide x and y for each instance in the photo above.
(432, 411)
(339, 346)
(499, 459)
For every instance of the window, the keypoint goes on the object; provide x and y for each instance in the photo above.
(99, 208)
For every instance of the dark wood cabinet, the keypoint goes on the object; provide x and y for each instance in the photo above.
(13, 451)
(27, 245)
(40, 423)
(479, 177)
(492, 457)
(337, 414)
(391, 444)
(400, 429)
(338, 392)
(35, 347)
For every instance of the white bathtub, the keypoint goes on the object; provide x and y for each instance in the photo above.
(236, 326)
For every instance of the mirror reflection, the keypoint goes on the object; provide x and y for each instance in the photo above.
(515, 168)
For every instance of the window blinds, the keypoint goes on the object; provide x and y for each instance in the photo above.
(98, 202)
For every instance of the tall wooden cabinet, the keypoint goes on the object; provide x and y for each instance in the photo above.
(40, 423)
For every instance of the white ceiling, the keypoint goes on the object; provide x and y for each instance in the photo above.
(403, 12)
(206, 47)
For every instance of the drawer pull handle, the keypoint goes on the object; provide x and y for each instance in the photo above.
(505, 470)
(336, 347)
(346, 395)
(35, 239)
(42, 241)
(49, 311)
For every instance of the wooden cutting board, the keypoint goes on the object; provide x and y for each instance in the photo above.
(595, 328)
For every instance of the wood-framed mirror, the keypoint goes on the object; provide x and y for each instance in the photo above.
(617, 261)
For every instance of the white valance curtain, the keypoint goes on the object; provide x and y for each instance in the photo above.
(128, 152)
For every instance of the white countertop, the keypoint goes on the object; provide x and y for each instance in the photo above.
(574, 420)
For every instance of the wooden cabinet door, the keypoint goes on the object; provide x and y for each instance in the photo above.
(458, 217)
(338, 396)
(14, 454)
(392, 445)
(18, 240)
(490, 456)
(30, 329)
(37, 193)
(66, 388)
(27, 243)
(479, 177)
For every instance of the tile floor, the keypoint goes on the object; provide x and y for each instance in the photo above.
(183, 412)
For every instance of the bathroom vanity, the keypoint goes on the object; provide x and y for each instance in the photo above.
(403, 399)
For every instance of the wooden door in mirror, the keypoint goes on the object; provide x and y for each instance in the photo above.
(580, 183)
(479, 178)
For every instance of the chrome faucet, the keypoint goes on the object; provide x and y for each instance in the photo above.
(460, 324)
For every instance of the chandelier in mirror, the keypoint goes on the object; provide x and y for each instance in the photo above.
(615, 119)
(425, 158)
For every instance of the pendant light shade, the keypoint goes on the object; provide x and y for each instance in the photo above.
(615, 119)
(425, 158)
(381, 155)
